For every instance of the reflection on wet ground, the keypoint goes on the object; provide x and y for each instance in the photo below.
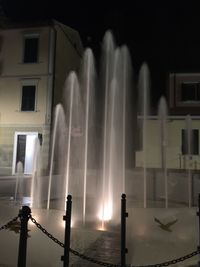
(105, 249)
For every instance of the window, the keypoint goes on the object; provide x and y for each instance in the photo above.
(31, 49)
(190, 146)
(28, 98)
(190, 91)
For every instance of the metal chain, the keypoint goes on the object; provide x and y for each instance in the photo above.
(167, 263)
(39, 226)
(76, 253)
(5, 226)
(82, 256)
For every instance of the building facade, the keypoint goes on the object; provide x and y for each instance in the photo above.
(35, 59)
(175, 142)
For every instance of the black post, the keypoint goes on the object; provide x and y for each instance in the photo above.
(124, 214)
(198, 214)
(24, 217)
(67, 219)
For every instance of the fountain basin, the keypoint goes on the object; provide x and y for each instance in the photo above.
(41, 251)
(149, 244)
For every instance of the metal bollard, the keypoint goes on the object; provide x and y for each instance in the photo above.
(24, 217)
(67, 219)
(124, 215)
(198, 214)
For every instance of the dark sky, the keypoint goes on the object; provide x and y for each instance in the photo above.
(165, 34)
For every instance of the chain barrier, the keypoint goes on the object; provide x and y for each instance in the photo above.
(5, 226)
(39, 226)
(84, 257)
(171, 262)
(76, 253)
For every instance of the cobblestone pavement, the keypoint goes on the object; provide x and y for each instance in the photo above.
(106, 248)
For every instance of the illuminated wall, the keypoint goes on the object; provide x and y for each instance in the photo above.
(56, 57)
(174, 157)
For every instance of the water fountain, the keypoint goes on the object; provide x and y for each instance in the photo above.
(90, 122)
(92, 156)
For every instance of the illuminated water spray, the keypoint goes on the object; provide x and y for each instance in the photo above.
(91, 133)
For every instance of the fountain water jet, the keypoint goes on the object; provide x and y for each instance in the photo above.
(36, 176)
(87, 81)
(74, 153)
(91, 137)
(107, 61)
(162, 113)
(144, 110)
(116, 79)
(72, 98)
(57, 148)
(127, 83)
(189, 142)
(19, 182)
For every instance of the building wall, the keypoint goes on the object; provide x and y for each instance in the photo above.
(68, 57)
(176, 105)
(10, 101)
(174, 157)
(60, 51)
(15, 73)
(12, 53)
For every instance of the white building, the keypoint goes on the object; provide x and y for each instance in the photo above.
(34, 61)
(183, 99)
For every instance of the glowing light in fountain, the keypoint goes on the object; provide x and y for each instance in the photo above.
(106, 212)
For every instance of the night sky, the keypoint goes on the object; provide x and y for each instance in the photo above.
(165, 34)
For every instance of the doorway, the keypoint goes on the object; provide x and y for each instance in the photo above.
(24, 146)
